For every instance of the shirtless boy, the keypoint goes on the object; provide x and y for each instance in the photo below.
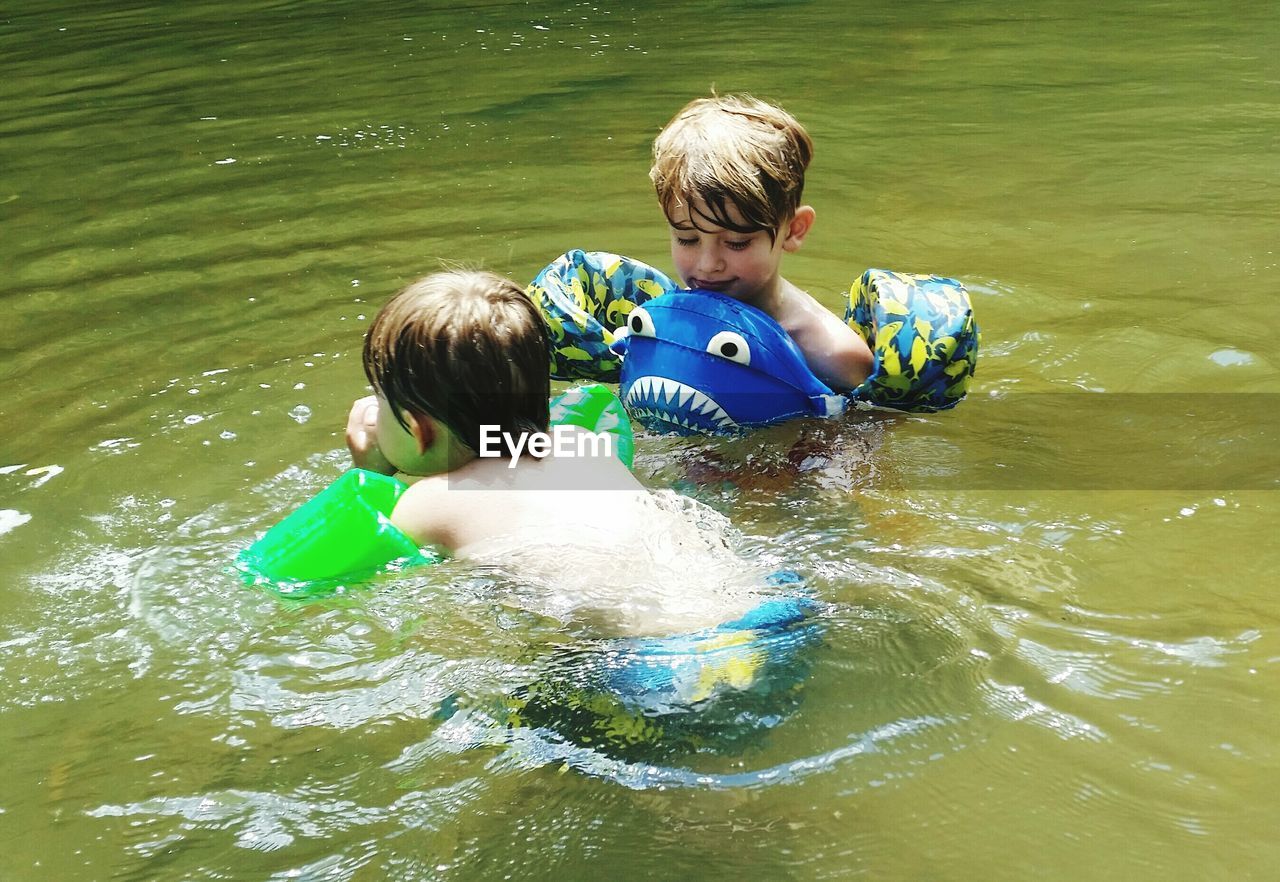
(729, 173)
(458, 359)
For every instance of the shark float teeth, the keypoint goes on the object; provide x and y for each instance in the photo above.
(673, 402)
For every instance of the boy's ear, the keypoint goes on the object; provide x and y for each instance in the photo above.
(423, 429)
(798, 228)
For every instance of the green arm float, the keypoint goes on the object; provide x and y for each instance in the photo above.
(596, 409)
(344, 533)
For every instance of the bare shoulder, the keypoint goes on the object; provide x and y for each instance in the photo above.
(802, 312)
(591, 463)
(834, 351)
(425, 512)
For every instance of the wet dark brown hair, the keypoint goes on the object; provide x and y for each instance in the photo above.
(464, 347)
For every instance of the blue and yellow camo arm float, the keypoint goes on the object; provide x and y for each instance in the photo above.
(585, 297)
(923, 335)
(700, 362)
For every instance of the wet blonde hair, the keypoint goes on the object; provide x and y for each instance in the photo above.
(732, 149)
(464, 347)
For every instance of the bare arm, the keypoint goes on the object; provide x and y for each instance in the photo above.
(833, 350)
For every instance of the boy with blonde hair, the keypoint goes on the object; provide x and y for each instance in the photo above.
(729, 174)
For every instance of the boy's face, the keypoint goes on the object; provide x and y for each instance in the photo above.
(743, 266)
(404, 448)
(397, 443)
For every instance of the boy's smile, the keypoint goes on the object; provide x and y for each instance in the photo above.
(743, 266)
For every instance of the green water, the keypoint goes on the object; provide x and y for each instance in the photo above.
(1047, 677)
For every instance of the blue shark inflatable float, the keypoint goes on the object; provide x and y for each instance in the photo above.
(696, 362)
(701, 362)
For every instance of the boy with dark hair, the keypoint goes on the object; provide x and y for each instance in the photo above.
(458, 359)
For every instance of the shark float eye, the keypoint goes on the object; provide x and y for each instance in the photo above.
(640, 323)
(730, 345)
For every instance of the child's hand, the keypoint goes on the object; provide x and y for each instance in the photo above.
(362, 437)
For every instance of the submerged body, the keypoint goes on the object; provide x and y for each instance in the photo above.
(654, 564)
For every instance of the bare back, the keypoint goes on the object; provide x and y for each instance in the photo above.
(588, 543)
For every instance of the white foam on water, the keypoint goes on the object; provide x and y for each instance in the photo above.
(11, 519)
